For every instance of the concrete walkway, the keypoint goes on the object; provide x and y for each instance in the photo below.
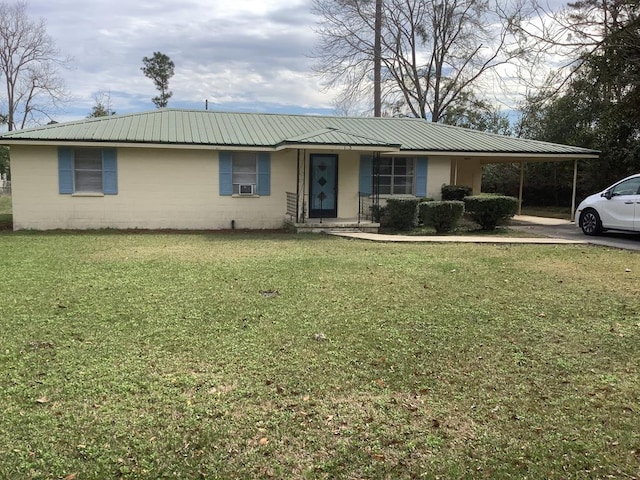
(518, 219)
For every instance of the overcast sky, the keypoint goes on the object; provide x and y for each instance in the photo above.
(241, 55)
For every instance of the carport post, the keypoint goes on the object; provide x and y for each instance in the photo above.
(573, 194)
(455, 173)
(521, 186)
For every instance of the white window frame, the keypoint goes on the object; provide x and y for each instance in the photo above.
(410, 162)
(83, 185)
(241, 173)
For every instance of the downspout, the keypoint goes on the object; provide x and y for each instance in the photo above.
(574, 192)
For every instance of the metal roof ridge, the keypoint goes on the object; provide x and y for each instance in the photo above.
(307, 135)
(297, 115)
(316, 133)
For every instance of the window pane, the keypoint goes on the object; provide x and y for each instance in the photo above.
(244, 178)
(88, 158)
(88, 181)
(384, 190)
(396, 176)
(88, 169)
(384, 180)
(385, 166)
(88, 163)
(244, 168)
(410, 164)
(402, 186)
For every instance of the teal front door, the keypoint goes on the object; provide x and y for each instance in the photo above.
(323, 186)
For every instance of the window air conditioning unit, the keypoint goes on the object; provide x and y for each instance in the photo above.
(246, 189)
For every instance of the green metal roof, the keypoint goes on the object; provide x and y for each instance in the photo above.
(205, 127)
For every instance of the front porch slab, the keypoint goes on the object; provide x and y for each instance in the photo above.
(314, 225)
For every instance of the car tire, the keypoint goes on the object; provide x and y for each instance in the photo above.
(590, 222)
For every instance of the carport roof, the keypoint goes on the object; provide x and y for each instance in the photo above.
(276, 131)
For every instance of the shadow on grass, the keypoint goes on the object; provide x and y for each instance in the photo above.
(6, 222)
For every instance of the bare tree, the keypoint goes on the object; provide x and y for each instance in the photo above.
(431, 50)
(102, 106)
(29, 63)
(566, 38)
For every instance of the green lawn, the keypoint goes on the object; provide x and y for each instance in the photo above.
(280, 356)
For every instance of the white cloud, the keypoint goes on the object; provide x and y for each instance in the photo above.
(243, 52)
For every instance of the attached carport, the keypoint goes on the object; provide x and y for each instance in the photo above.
(466, 167)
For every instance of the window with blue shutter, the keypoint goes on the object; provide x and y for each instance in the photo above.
(244, 173)
(421, 176)
(264, 174)
(109, 172)
(87, 170)
(225, 173)
(395, 175)
(366, 174)
(65, 170)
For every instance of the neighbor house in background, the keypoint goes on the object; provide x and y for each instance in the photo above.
(183, 169)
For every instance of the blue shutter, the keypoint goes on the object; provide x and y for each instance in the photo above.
(109, 171)
(366, 173)
(264, 174)
(421, 176)
(225, 173)
(65, 170)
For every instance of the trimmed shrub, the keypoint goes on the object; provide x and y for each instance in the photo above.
(489, 211)
(399, 214)
(443, 216)
(455, 192)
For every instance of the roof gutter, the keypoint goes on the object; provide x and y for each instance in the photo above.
(384, 150)
(177, 146)
(521, 156)
(199, 146)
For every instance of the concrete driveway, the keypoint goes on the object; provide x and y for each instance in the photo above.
(563, 229)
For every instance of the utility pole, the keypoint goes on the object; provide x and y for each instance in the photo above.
(377, 62)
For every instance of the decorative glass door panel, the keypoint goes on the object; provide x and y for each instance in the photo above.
(323, 186)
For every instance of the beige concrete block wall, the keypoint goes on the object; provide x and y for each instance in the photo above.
(438, 171)
(157, 189)
(469, 172)
(173, 189)
(348, 183)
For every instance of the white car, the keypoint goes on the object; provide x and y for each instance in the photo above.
(615, 208)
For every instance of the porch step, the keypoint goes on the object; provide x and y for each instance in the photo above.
(332, 226)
